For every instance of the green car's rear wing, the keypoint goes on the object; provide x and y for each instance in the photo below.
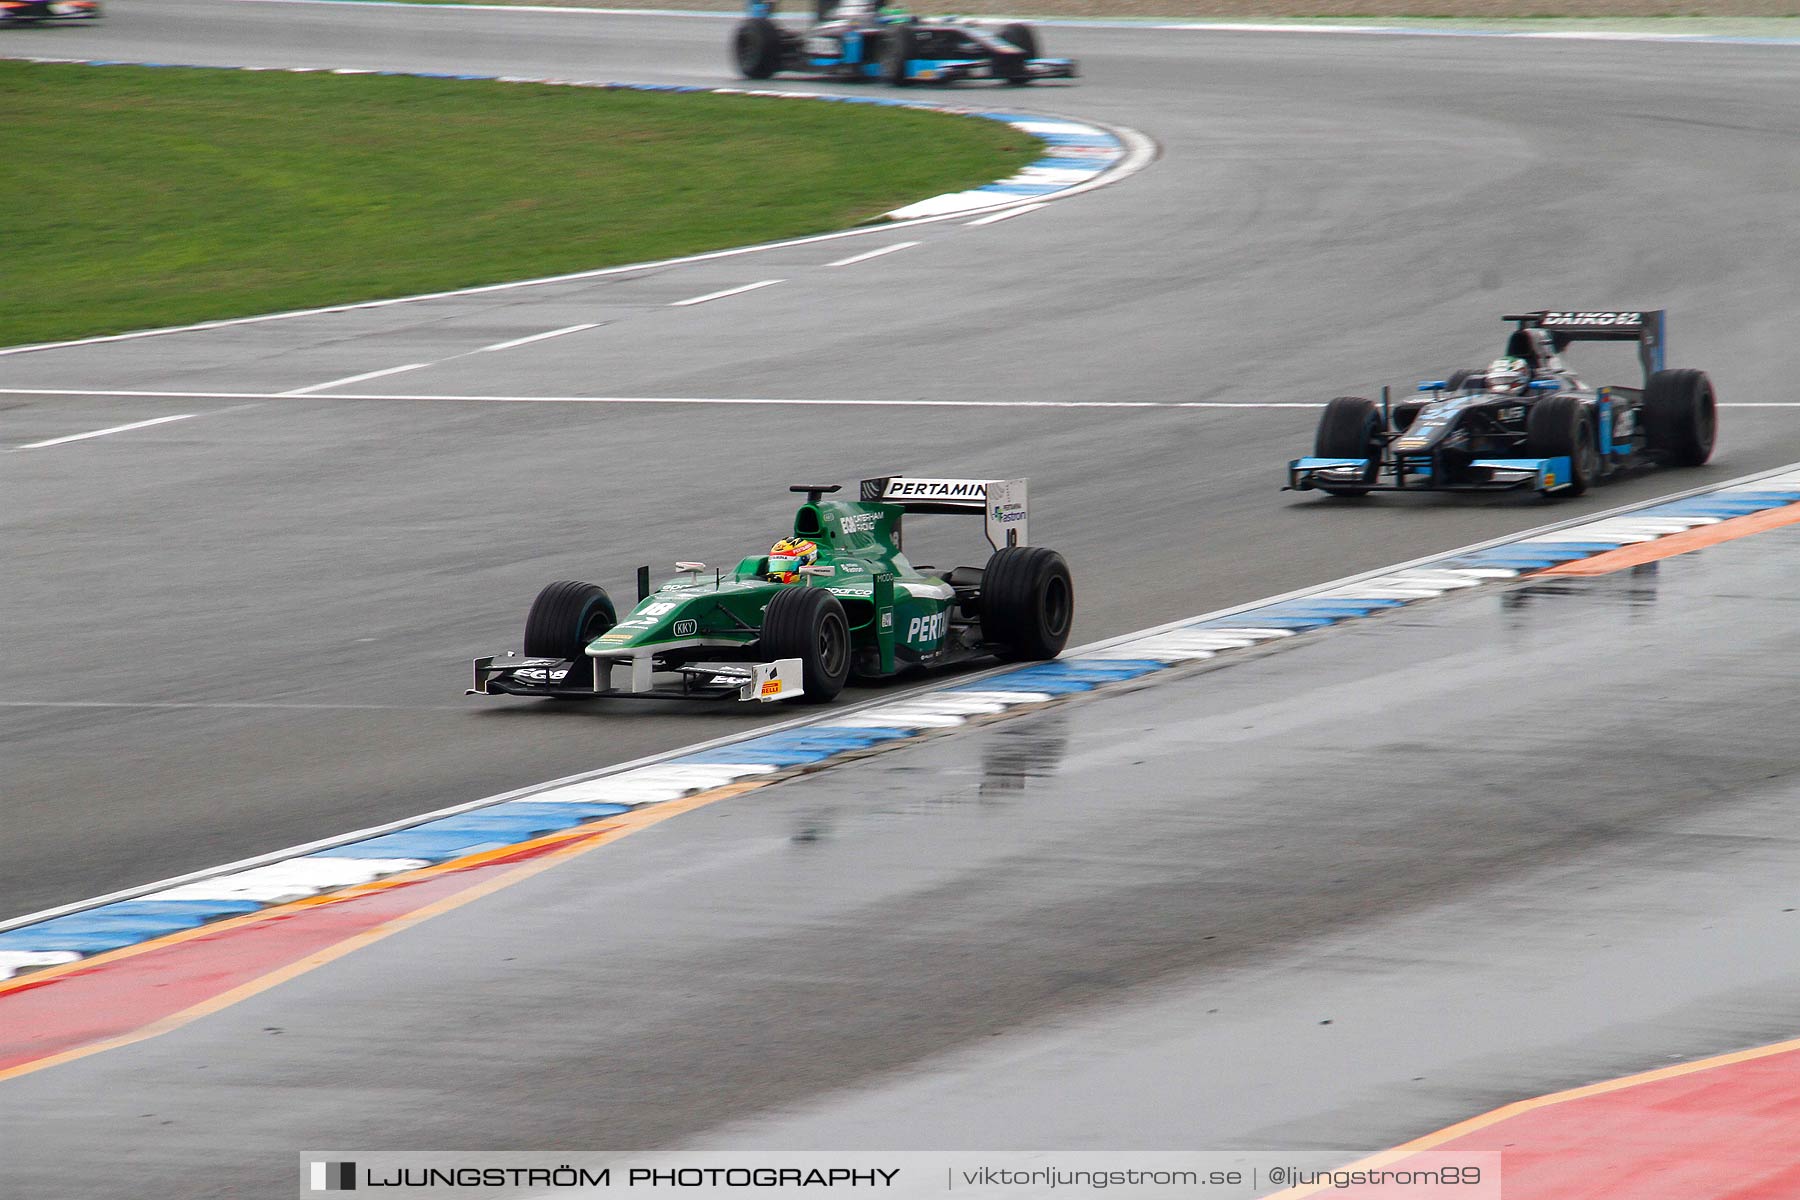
(1001, 502)
(1646, 328)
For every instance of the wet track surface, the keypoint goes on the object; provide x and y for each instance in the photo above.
(1329, 214)
(1330, 897)
(1335, 896)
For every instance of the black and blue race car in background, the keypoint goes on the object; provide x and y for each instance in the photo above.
(867, 40)
(23, 12)
(1524, 421)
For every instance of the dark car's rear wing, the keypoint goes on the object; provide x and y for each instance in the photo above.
(1001, 502)
(1647, 329)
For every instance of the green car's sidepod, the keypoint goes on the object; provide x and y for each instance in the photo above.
(861, 609)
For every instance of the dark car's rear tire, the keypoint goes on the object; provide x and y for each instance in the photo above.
(565, 617)
(1027, 603)
(1681, 417)
(756, 48)
(1350, 427)
(897, 46)
(809, 624)
(1559, 428)
(1012, 67)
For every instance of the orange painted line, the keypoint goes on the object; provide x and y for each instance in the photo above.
(1450, 1133)
(531, 859)
(1697, 538)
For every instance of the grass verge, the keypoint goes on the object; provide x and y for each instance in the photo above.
(139, 197)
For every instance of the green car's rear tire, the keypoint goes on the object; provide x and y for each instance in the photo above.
(1558, 427)
(565, 617)
(809, 624)
(756, 48)
(1681, 417)
(1027, 603)
(1350, 427)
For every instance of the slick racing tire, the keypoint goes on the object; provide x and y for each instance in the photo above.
(565, 617)
(1350, 427)
(1405, 414)
(1027, 603)
(1023, 36)
(809, 624)
(756, 48)
(1559, 428)
(896, 52)
(1681, 417)
(1011, 67)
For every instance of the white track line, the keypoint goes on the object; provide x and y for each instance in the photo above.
(536, 337)
(319, 387)
(1008, 215)
(857, 258)
(718, 400)
(736, 291)
(82, 437)
(769, 401)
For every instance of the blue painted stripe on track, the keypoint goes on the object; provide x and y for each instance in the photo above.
(204, 910)
(1256, 620)
(34, 937)
(752, 752)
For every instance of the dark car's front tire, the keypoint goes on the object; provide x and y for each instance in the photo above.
(1350, 427)
(809, 624)
(1559, 428)
(1027, 603)
(756, 48)
(897, 45)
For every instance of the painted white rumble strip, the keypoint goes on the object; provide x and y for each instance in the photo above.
(821, 741)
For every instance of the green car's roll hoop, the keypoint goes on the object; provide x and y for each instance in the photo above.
(862, 609)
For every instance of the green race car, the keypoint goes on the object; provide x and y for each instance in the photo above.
(840, 599)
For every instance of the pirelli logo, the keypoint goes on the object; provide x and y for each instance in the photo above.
(771, 687)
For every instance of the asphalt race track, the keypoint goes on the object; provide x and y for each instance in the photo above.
(249, 628)
(1329, 214)
(1201, 914)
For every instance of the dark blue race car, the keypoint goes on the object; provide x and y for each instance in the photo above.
(1523, 421)
(867, 40)
(23, 12)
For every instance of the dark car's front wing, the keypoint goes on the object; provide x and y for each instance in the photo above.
(1481, 475)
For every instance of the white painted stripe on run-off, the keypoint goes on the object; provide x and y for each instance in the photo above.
(857, 258)
(1008, 215)
(736, 291)
(319, 387)
(94, 433)
(536, 337)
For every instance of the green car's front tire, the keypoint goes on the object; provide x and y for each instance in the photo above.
(1027, 603)
(809, 624)
(565, 617)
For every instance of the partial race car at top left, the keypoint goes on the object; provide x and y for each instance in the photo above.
(31, 12)
(858, 40)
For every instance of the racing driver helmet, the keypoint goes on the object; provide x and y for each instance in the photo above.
(787, 556)
(1508, 375)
